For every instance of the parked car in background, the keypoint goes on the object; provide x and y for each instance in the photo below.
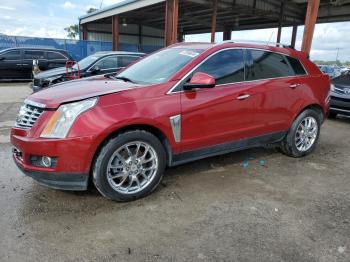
(96, 64)
(183, 103)
(328, 70)
(17, 63)
(340, 95)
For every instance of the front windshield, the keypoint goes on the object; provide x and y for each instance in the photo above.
(86, 62)
(159, 67)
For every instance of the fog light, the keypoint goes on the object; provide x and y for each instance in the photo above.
(46, 161)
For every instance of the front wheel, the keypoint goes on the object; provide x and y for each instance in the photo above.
(303, 135)
(129, 166)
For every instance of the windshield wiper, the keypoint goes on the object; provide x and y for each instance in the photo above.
(125, 79)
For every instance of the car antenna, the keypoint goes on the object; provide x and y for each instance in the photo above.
(268, 42)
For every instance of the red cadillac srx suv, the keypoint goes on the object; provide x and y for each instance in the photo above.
(185, 102)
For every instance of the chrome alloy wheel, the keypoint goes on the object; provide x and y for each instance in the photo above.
(306, 134)
(132, 167)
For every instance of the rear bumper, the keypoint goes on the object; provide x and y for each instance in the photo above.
(340, 105)
(61, 181)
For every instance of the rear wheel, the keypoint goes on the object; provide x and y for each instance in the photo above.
(303, 135)
(129, 166)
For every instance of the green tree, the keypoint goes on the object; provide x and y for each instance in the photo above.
(73, 30)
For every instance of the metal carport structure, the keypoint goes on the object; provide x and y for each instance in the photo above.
(169, 20)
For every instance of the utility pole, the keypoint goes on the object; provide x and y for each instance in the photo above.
(336, 59)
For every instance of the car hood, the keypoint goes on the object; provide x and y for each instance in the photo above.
(78, 90)
(51, 73)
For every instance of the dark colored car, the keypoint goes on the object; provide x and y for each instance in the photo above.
(340, 95)
(96, 64)
(183, 103)
(17, 63)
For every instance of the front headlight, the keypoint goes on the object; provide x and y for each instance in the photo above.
(62, 120)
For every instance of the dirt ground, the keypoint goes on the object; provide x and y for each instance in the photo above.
(254, 205)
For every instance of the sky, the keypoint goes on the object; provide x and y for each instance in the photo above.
(45, 18)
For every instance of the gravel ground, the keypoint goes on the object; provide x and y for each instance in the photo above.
(254, 205)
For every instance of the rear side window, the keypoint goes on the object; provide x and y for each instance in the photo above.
(126, 60)
(34, 54)
(263, 65)
(226, 66)
(296, 65)
(11, 55)
(109, 62)
(55, 56)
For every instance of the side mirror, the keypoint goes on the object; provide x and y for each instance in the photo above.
(200, 80)
(95, 69)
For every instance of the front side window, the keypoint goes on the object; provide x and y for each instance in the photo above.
(226, 66)
(264, 65)
(109, 62)
(86, 62)
(161, 66)
(11, 55)
(34, 54)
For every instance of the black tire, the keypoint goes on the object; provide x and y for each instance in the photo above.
(288, 145)
(101, 163)
(332, 115)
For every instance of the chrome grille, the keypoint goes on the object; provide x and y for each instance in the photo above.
(28, 114)
(342, 90)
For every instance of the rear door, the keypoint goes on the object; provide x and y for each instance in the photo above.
(276, 87)
(11, 65)
(28, 57)
(221, 114)
(55, 59)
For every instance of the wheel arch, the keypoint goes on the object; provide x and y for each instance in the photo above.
(144, 127)
(315, 107)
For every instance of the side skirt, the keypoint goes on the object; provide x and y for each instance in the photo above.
(194, 155)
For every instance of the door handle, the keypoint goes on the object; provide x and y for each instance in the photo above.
(293, 86)
(242, 97)
(19, 64)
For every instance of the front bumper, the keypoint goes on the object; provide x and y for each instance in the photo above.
(63, 181)
(340, 105)
(74, 157)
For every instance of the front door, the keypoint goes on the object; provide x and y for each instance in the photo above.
(221, 114)
(10, 65)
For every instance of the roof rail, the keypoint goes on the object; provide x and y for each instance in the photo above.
(257, 42)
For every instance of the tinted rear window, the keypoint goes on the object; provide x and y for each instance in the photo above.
(296, 65)
(263, 65)
(126, 60)
(55, 55)
(34, 54)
